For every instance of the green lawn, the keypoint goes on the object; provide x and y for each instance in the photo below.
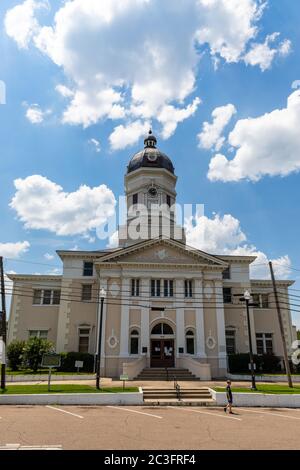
(43, 371)
(64, 388)
(263, 388)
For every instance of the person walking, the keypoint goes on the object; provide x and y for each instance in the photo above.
(229, 398)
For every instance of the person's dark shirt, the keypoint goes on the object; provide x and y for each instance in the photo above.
(229, 393)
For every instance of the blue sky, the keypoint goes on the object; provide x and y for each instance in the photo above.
(237, 65)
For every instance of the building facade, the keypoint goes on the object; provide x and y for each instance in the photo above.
(166, 304)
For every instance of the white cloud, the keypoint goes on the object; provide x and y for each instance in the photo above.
(224, 235)
(120, 69)
(266, 145)
(95, 144)
(211, 135)
(35, 114)
(42, 204)
(263, 54)
(170, 116)
(14, 250)
(20, 22)
(124, 136)
(48, 256)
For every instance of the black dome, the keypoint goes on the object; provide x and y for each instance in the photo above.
(150, 157)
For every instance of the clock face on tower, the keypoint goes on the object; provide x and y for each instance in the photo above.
(152, 157)
(152, 192)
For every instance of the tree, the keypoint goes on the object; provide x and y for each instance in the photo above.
(298, 334)
(34, 350)
(15, 354)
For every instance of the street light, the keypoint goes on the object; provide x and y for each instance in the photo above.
(98, 363)
(246, 298)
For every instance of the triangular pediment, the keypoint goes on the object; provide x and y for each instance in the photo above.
(162, 251)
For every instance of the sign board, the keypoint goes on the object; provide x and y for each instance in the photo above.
(2, 352)
(124, 377)
(78, 364)
(254, 366)
(51, 360)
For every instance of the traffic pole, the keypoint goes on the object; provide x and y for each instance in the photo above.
(3, 366)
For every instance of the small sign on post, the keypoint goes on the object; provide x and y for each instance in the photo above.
(78, 365)
(124, 377)
(254, 366)
(2, 351)
(51, 361)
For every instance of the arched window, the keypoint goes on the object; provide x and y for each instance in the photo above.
(190, 342)
(134, 342)
(162, 329)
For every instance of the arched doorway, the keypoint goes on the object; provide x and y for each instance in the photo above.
(162, 345)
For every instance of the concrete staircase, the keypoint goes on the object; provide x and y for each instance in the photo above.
(169, 396)
(161, 374)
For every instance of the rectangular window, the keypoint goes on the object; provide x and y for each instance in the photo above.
(188, 288)
(226, 273)
(135, 199)
(88, 268)
(190, 345)
(230, 341)
(135, 287)
(168, 200)
(84, 339)
(261, 300)
(155, 287)
(37, 297)
(134, 345)
(47, 297)
(43, 334)
(56, 297)
(227, 295)
(168, 288)
(264, 343)
(86, 293)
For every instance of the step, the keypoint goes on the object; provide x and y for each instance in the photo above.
(184, 402)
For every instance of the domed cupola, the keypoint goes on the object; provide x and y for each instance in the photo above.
(150, 157)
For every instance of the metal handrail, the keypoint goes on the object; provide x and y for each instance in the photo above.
(178, 391)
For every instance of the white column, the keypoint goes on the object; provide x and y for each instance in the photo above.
(220, 325)
(145, 333)
(200, 334)
(179, 298)
(124, 340)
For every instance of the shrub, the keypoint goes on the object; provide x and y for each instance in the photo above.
(15, 354)
(68, 362)
(34, 350)
(268, 363)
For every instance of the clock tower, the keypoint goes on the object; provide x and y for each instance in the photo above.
(151, 196)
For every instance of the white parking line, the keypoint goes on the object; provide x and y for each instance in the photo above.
(134, 411)
(64, 411)
(207, 413)
(268, 413)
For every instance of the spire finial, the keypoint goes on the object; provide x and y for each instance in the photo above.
(150, 140)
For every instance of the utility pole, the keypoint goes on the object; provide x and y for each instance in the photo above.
(3, 366)
(98, 362)
(285, 354)
(247, 298)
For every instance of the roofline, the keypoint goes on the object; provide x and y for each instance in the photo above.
(45, 277)
(93, 253)
(267, 282)
(238, 257)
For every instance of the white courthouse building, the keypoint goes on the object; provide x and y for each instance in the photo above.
(166, 304)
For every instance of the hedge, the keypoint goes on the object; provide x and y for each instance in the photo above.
(268, 363)
(68, 362)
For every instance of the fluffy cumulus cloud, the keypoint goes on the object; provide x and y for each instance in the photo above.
(224, 235)
(266, 145)
(21, 23)
(135, 60)
(35, 114)
(124, 136)
(211, 135)
(13, 250)
(42, 204)
(264, 54)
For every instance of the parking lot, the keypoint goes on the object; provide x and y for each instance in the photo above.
(154, 428)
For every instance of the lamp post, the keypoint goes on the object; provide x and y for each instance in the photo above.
(246, 298)
(98, 362)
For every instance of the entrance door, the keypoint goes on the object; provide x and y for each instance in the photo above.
(162, 353)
